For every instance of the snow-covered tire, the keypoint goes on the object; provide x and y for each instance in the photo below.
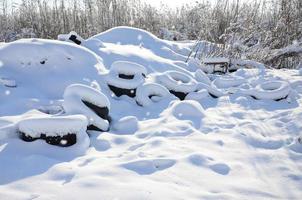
(200, 76)
(197, 95)
(177, 83)
(145, 93)
(124, 77)
(273, 90)
(71, 37)
(211, 89)
(228, 81)
(55, 130)
(85, 100)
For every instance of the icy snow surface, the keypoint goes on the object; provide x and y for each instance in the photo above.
(230, 147)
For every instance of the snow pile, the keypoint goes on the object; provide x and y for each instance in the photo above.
(157, 142)
(139, 46)
(138, 37)
(186, 110)
(45, 68)
(126, 125)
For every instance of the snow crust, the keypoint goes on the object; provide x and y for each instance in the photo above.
(231, 147)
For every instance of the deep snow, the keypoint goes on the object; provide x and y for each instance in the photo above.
(230, 147)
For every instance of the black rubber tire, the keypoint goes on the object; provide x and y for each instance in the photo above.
(26, 138)
(180, 95)
(120, 91)
(102, 112)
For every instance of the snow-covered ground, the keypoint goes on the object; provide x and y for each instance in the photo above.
(234, 136)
